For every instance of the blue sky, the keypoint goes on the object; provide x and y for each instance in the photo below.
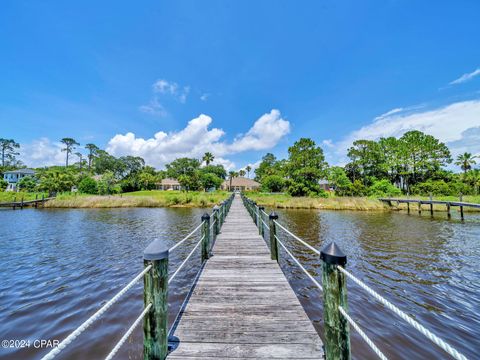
(239, 78)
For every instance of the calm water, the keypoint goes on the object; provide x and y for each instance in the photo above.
(59, 266)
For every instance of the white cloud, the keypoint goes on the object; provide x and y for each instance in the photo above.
(328, 143)
(197, 138)
(452, 124)
(264, 134)
(42, 152)
(163, 88)
(466, 77)
(153, 108)
(204, 97)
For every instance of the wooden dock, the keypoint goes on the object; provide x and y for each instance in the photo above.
(242, 305)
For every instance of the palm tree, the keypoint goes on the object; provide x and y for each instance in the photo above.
(248, 168)
(80, 159)
(242, 173)
(231, 175)
(465, 161)
(69, 147)
(473, 178)
(92, 151)
(208, 158)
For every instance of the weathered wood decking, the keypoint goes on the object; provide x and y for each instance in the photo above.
(243, 306)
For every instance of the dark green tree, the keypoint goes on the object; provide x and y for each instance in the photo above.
(8, 150)
(70, 145)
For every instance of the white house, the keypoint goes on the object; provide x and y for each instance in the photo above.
(14, 176)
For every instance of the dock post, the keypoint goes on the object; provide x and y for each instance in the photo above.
(337, 332)
(216, 219)
(205, 237)
(14, 201)
(273, 232)
(254, 213)
(431, 204)
(408, 207)
(43, 200)
(461, 207)
(449, 214)
(261, 230)
(419, 207)
(21, 204)
(155, 336)
(222, 209)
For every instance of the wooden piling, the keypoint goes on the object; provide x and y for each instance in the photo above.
(337, 332)
(261, 229)
(449, 214)
(431, 205)
(155, 335)
(419, 207)
(216, 219)
(461, 207)
(21, 204)
(205, 237)
(273, 240)
(408, 207)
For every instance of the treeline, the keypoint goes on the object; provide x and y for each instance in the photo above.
(412, 164)
(98, 172)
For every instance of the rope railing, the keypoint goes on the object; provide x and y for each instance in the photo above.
(297, 238)
(333, 261)
(186, 237)
(299, 264)
(186, 259)
(362, 334)
(54, 352)
(415, 324)
(128, 333)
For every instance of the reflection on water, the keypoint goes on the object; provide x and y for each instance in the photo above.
(60, 266)
(429, 267)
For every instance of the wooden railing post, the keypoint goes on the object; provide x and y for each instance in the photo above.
(206, 237)
(337, 332)
(254, 213)
(261, 230)
(155, 282)
(273, 232)
(461, 207)
(216, 227)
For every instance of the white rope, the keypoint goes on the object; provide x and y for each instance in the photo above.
(264, 223)
(297, 238)
(432, 337)
(54, 352)
(364, 336)
(213, 223)
(185, 261)
(186, 237)
(299, 264)
(127, 334)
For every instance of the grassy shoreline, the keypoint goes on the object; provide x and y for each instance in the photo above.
(151, 198)
(284, 201)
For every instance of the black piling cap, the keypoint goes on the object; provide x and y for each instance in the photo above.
(156, 250)
(261, 207)
(273, 215)
(216, 207)
(333, 255)
(205, 216)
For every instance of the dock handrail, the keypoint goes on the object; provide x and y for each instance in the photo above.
(335, 292)
(156, 281)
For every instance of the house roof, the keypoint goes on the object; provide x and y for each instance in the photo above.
(241, 181)
(169, 181)
(21, 171)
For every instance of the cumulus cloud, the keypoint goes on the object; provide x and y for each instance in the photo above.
(42, 152)
(455, 124)
(163, 88)
(466, 77)
(197, 138)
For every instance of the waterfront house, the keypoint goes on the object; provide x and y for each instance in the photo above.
(240, 183)
(14, 176)
(169, 184)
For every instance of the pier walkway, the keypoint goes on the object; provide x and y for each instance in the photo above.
(242, 305)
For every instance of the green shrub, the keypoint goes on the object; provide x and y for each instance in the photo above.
(440, 187)
(88, 186)
(273, 183)
(383, 188)
(3, 184)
